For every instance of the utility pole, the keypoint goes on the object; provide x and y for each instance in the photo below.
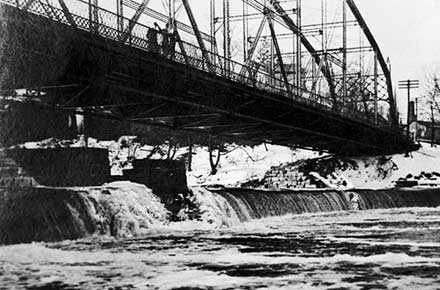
(432, 126)
(408, 85)
(417, 117)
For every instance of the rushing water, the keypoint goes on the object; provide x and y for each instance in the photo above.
(373, 249)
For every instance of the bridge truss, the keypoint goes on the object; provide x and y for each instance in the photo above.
(320, 54)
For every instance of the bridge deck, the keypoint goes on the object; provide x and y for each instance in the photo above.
(139, 82)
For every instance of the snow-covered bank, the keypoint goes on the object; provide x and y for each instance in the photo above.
(242, 163)
(277, 167)
(271, 166)
(383, 172)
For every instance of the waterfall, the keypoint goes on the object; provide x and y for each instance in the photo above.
(229, 206)
(120, 209)
(395, 198)
(125, 209)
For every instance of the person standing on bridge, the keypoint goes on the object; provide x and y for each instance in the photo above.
(152, 44)
(171, 36)
(167, 41)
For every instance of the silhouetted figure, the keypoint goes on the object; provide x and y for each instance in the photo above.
(161, 40)
(165, 40)
(152, 43)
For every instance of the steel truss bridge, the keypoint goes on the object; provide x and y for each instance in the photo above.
(109, 60)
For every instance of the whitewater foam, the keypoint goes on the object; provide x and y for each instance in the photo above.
(127, 209)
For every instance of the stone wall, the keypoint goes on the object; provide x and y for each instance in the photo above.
(286, 177)
(59, 166)
(12, 175)
(166, 178)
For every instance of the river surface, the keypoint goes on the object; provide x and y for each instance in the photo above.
(375, 249)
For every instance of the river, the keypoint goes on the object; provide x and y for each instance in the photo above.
(372, 249)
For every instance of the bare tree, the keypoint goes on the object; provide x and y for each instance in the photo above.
(172, 149)
(431, 96)
(429, 107)
(190, 155)
(214, 159)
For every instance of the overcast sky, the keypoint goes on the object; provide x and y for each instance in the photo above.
(409, 33)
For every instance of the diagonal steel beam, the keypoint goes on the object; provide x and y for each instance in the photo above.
(134, 20)
(254, 46)
(197, 33)
(27, 4)
(280, 58)
(50, 12)
(67, 13)
(357, 14)
(181, 46)
(292, 26)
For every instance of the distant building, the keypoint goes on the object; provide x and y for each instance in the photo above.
(425, 131)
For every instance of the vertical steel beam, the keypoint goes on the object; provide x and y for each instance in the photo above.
(172, 15)
(245, 30)
(361, 68)
(120, 13)
(127, 32)
(376, 89)
(344, 50)
(213, 21)
(271, 62)
(280, 58)
(293, 58)
(226, 36)
(198, 35)
(93, 15)
(298, 48)
(323, 25)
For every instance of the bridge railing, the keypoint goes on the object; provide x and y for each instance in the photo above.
(185, 53)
